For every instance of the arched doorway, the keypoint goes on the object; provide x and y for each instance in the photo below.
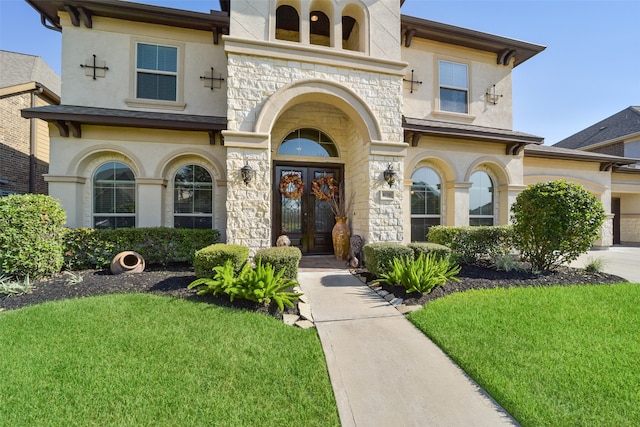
(306, 220)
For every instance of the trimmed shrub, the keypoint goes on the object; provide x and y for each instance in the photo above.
(421, 274)
(426, 248)
(31, 232)
(285, 258)
(471, 244)
(206, 259)
(379, 256)
(95, 248)
(555, 222)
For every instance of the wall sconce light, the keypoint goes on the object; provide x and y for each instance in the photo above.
(390, 175)
(246, 173)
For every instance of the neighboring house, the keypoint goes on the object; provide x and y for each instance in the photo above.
(617, 135)
(186, 119)
(25, 81)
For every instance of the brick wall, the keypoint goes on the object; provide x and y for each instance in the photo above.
(15, 134)
(616, 149)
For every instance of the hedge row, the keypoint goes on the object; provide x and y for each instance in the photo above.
(95, 248)
(471, 244)
(379, 256)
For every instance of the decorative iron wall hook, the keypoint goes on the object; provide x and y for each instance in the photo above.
(412, 81)
(95, 67)
(210, 79)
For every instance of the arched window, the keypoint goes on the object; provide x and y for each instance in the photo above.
(320, 28)
(425, 203)
(308, 142)
(193, 198)
(114, 196)
(481, 199)
(353, 21)
(287, 23)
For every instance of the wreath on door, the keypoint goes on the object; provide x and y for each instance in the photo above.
(325, 188)
(286, 182)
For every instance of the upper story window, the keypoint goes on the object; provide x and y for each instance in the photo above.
(156, 72)
(481, 199)
(454, 87)
(320, 28)
(352, 19)
(308, 142)
(287, 23)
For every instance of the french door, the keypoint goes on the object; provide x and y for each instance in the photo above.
(304, 219)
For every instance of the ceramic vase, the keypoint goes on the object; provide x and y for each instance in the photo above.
(341, 237)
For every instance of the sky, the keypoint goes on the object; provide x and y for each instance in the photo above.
(589, 71)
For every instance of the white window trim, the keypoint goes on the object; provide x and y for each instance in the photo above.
(438, 111)
(135, 102)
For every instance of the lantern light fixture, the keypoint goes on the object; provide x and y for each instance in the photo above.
(390, 175)
(246, 173)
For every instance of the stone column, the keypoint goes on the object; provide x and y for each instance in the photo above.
(248, 205)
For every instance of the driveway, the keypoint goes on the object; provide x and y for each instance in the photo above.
(623, 261)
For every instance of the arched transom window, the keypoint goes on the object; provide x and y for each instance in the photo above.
(114, 196)
(481, 199)
(308, 142)
(287, 23)
(426, 202)
(193, 198)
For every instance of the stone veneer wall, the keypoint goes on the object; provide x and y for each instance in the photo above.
(251, 81)
(630, 228)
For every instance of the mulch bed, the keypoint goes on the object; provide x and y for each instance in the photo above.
(483, 277)
(169, 281)
(173, 281)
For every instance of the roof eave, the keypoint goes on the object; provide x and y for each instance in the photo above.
(505, 48)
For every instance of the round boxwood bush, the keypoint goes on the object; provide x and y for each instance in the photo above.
(555, 222)
(31, 234)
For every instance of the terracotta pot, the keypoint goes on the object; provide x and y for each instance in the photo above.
(127, 262)
(341, 237)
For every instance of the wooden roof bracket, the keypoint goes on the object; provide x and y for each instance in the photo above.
(77, 13)
(607, 166)
(408, 37)
(514, 148)
(505, 56)
(65, 126)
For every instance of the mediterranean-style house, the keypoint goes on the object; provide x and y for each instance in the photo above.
(25, 81)
(226, 119)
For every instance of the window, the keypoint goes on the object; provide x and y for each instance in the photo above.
(156, 72)
(320, 28)
(114, 196)
(308, 142)
(425, 203)
(287, 24)
(193, 198)
(454, 87)
(481, 199)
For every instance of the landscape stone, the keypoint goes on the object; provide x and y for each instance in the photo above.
(290, 319)
(406, 309)
(389, 297)
(305, 311)
(383, 293)
(304, 324)
(396, 302)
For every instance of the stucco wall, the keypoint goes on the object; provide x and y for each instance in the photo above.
(423, 57)
(113, 41)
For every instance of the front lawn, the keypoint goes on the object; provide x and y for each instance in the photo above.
(551, 356)
(145, 360)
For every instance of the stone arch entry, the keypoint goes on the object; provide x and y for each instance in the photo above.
(305, 220)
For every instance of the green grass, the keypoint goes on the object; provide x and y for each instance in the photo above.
(144, 360)
(553, 356)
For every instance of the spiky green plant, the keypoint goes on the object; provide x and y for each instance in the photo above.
(421, 274)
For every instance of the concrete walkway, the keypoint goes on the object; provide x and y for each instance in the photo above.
(623, 261)
(383, 370)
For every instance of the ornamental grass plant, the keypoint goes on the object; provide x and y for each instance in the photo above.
(421, 274)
